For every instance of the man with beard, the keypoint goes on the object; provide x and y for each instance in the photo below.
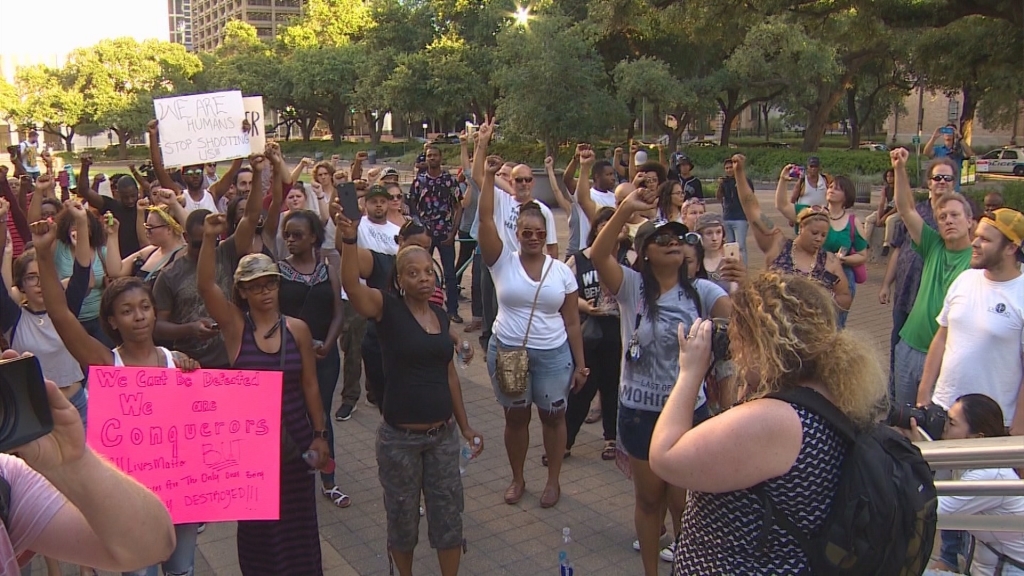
(195, 195)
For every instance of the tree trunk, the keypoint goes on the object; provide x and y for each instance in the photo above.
(306, 126)
(69, 140)
(765, 110)
(1016, 124)
(122, 143)
(631, 132)
(551, 149)
(818, 118)
(851, 116)
(967, 113)
(374, 127)
(729, 116)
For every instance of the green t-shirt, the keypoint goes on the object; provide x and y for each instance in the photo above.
(837, 239)
(941, 267)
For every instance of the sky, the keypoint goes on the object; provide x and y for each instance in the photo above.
(56, 27)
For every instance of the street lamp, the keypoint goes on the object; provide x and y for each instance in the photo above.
(425, 125)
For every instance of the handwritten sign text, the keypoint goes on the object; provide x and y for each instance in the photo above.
(201, 128)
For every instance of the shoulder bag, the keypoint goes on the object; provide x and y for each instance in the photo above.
(512, 364)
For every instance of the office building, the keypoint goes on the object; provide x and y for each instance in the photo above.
(179, 22)
(210, 16)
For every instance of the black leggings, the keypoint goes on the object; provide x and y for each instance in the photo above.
(604, 361)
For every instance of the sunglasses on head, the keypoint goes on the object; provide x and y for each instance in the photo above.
(942, 178)
(523, 180)
(531, 234)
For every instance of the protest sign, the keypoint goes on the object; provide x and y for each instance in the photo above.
(208, 442)
(257, 121)
(201, 128)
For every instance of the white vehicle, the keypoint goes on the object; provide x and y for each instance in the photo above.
(874, 147)
(1003, 161)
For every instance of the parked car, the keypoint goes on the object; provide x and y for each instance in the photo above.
(874, 146)
(1009, 160)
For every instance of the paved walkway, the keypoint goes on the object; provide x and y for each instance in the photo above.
(596, 503)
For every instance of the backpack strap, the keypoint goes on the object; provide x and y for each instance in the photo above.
(810, 399)
(5, 503)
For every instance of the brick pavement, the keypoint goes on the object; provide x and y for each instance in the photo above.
(596, 503)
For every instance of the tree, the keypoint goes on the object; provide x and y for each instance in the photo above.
(877, 90)
(323, 81)
(552, 84)
(119, 79)
(652, 80)
(327, 23)
(47, 98)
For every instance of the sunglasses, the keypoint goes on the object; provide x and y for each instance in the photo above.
(666, 239)
(150, 227)
(396, 196)
(942, 178)
(531, 234)
(523, 180)
(262, 288)
(193, 172)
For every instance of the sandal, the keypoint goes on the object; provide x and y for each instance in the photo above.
(609, 450)
(334, 494)
(550, 497)
(514, 493)
(544, 458)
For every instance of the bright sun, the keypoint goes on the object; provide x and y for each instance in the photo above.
(522, 15)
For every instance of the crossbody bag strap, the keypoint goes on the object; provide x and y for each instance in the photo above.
(536, 295)
(283, 328)
(1003, 558)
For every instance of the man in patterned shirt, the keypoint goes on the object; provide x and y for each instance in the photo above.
(435, 198)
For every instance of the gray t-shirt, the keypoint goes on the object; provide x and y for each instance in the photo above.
(646, 383)
(469, 212)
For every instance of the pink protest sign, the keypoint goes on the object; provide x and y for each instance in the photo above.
(208, 442)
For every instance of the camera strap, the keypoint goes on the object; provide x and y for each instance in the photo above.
(5, 502)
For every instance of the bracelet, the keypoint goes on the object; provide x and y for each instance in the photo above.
(350, 241)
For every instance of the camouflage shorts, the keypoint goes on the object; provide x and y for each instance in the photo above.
(410, 463)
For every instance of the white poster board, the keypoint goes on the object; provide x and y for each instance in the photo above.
(201, 128)
(257, 123)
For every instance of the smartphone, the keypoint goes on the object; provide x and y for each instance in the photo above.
(946, 130)
(843, 251)
(731, 250)
(349, 200)
(796, 172)
(24, 408)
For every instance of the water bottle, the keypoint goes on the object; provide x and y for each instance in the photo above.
(313, 459)
(466, 455)
(464, 350)
(564, 563)
(72, 182)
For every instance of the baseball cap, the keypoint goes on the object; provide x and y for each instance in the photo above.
(1009, 222)
(389, 171)
(651, 228)
(680, 158)
(641, 157)
(814, 161)
(253, 266)
(377, 190)
(708, 220)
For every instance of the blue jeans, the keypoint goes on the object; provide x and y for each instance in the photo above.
(954, 542)
(451, 285)
(327, 372)
(183, 558)
(909, 367)
(899, 318)
(549, 379)
(851, 280)
(736, 231)
(80, 400)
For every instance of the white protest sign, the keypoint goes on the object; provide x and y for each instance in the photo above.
(254, 114)
(201, 128)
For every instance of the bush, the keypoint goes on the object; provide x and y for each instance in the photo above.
(1013, 195)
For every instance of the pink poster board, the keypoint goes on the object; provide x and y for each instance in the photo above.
(208, 442)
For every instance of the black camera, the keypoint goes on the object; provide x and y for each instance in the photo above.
(720, 339)
(930, 419)
(24, 407)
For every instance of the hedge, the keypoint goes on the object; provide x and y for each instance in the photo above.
(1013, 195)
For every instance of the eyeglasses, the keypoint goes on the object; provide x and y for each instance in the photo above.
(396, 196)
(942, 178)
(523, 180)
(30, 281)
(193, 172)
(263, 288)
(150, 227)
(531, 234)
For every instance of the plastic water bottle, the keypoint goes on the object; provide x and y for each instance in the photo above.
(564, 563)
(466, 455)
(72, 181)
(464, 350)
(313, 459)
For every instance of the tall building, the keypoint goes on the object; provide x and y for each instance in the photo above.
(179, 22)
(210, 16)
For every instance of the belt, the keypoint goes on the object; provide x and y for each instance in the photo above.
(432, 431)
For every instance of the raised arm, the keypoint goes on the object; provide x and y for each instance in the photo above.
(489, 240)
(16, 211)
(602, 252)
(246, 229)
(569, 176)
(140, 179)
(221, 186)
(905, 196)
(296, 172)
(583, 197)
(86, 349)
(44, 187)
(84, 189)
(617, 161)
(769, 238)
(367, 302)
(115, 266)
(929, 146)
(357, 164)
(782, 203)
(563, 200)
(156, 157)
(633, 149)
(273, 219)
(223, 312)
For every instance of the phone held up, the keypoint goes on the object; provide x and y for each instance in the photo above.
(796, 172)
(24, 408)
(349, 200)
(731, 250)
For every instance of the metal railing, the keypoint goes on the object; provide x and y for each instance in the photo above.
(1005, 452)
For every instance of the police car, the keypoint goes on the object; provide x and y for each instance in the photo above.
(1003, 161)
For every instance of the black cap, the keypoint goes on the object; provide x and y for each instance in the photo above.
(649, 229)
(377, 190)
(814, 161)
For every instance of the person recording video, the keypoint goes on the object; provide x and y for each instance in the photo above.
(66, 503)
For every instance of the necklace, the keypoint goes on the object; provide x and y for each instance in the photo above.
(838, 217)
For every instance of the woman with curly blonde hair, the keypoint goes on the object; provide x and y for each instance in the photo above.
(783, 335)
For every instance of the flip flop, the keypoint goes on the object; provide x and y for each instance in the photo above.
(514, 493)
(550, 497)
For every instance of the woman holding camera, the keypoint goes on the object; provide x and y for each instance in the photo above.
(783, 335)
(654, 297)
(128, 316)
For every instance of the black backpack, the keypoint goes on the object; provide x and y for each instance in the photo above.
(882, 520)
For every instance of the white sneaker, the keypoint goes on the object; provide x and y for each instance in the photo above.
(636, 543)
(668, 553)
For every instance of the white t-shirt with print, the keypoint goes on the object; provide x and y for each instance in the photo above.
(378, 237)
(985, 341)
(207, 203)
(506, 216)
(516, 291)
(602, 200)
(646, 383)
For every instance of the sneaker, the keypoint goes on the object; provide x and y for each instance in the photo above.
(201, 528)
(668, 553)
(636, 543)
(344, 413)
(455, 318)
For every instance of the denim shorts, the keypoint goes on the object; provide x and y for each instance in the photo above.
(550, 377)
(80, 400)
(408, 464)
(636, 427)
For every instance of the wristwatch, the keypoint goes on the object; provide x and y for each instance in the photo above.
(320, 434)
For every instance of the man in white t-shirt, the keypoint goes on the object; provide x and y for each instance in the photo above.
(813, 187)
(195, 194)
(376, 233)
(979, 347)
(591, 198)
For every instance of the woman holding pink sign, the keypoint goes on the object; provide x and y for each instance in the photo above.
(127, 316)
(259, 337)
